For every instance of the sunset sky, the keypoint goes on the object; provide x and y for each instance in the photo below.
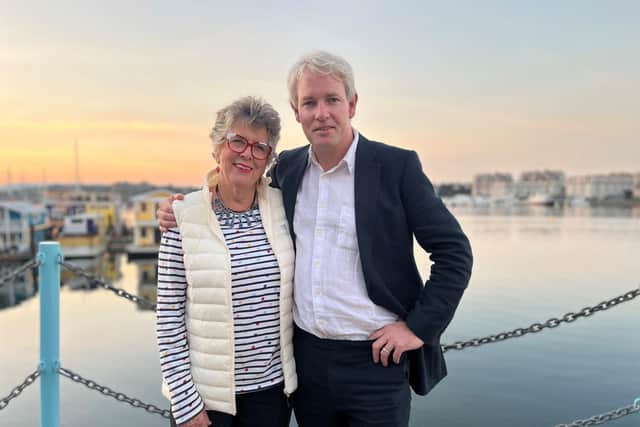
(473, 87)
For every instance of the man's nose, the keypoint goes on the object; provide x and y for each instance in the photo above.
(322, 111)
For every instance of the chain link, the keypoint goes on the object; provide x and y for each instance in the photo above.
(603, 418)
(458, 345)
(100, 282)
(16, 391)
(6, 279)
(538, 327)
(120, 397)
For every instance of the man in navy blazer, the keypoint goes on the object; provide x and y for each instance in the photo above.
(367, 327)
(393, 202)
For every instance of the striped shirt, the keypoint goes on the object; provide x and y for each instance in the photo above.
(255, 288)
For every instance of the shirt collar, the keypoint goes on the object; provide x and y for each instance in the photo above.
(349, 158)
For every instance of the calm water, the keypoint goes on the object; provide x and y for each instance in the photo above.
(528, 268)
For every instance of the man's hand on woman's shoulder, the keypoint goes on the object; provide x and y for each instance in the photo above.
(166, 220)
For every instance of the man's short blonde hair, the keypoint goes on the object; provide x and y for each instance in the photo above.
(323, 63)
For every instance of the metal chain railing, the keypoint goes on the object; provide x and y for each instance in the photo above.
(100, 282)
(458, 345)
(538, 327)
(606, 417)
(137, 403)
(5, 279)
(120, 397)
(31, 378)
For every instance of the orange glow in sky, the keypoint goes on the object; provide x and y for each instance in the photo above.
(471, 90)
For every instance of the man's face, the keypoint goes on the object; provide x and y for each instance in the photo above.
(324, 111)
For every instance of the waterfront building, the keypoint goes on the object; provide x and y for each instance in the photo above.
(636, 186)
(600, 187)
(540, 187)
(146, 235)
(109, 214)
(493, 185)
(22, 226)
(104, 204)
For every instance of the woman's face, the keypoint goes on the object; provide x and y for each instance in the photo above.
(242, 170)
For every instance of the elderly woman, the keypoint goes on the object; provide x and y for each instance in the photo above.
(225, 273)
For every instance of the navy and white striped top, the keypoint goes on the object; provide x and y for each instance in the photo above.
(255, 288)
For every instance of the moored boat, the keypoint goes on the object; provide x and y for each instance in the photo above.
(82, 236)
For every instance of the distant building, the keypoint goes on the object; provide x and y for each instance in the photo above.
(83, 236)
(22, 225)
(453, 189)
(108, 212)
(601, 187)
(105, 204)
(494, 185)
(548, 184)
(146, 234)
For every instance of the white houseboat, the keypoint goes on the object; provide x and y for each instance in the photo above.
(82, 236)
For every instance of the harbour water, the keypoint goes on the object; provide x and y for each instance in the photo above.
(529, 266)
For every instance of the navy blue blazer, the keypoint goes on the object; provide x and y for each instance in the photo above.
(395, 202)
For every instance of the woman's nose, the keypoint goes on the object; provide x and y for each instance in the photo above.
(247, 152)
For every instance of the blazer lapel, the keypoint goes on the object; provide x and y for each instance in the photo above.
(291, 183)
(367, 178)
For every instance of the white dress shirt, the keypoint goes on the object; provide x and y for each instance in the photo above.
(330, 295)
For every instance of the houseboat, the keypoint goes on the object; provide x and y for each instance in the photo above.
(82, 236)
(146, 235)
(63, 203)
(22, 226)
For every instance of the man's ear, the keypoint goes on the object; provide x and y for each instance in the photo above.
(352, 106)
(296, 112)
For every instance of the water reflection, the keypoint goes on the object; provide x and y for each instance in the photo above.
(18, 289)
(622, 211)
(526, 269)
(529, 223)
(106, 268)
(147, 274)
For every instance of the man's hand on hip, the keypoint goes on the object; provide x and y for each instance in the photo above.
(394, 338)
(166, 220)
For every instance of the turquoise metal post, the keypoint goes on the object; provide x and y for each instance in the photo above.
(50, 257)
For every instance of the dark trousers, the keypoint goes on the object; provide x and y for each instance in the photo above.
(340, 386)
(266, 408)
